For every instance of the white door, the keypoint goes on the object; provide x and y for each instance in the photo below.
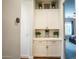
(11, 29)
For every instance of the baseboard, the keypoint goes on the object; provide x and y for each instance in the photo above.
(6, 57)
(26, 57)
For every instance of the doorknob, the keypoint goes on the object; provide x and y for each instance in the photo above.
(17, 20)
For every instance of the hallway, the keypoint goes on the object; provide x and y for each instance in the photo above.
(70, 50)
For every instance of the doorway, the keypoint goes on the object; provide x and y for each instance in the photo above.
(70, 29)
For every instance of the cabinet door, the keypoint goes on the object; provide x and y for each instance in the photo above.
(40, 19)
(54, 48)
(53, 19)
(39, 48)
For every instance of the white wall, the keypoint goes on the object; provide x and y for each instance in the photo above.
(26, 28)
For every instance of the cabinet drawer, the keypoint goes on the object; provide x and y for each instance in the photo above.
(39, 42)
(54, 42)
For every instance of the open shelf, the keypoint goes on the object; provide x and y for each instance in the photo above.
(46, 33)
(46, 4)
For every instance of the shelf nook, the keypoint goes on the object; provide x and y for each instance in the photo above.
(46, 4)
(47, 33)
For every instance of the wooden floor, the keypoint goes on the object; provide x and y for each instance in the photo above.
(24, 58)
(47, 58)
(44, 58)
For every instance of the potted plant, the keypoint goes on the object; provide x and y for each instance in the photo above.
(37, 34)
(40, 5)
(56, 34)
(53, 4)
(47, 32)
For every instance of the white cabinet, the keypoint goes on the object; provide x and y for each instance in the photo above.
(47, 48)
(48, 29)
(53, 19)
(40, 19)
(54, 48)
(39, 48)
(47, 18)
